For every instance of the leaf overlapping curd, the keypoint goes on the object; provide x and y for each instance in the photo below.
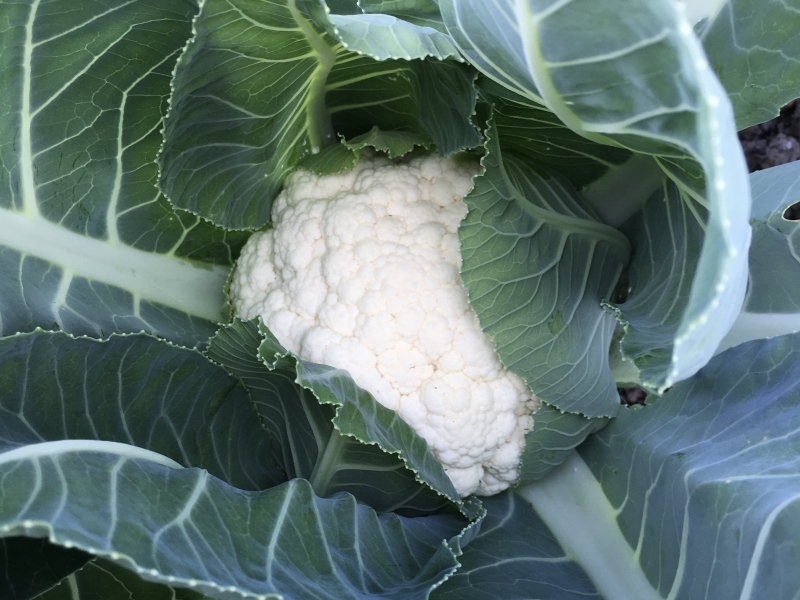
(604, 86)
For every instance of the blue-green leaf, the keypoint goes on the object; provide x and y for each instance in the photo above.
(772, 304)
(135, 390)
(185, 528)
(88, 245)
(99, 449)
(515, 557)
(705, 481)
(694, 496)
(659, 285)
(488, 35)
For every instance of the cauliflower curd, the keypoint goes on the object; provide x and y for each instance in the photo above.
(361, 272)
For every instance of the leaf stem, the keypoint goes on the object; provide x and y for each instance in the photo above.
(624, 190)
(325, 469)
(320, 129)
(572, 504)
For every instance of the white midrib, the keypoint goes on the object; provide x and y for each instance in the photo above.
(28, 187)
(194, 289)
(53, 450)
(572, 504)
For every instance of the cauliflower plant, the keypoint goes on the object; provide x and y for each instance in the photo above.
(361, 272)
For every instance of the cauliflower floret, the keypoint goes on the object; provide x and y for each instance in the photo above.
(361, 272)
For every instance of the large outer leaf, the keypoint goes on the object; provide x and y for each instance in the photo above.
(87, 243)
(699, 492)
(536, 266)
(186, 528)
(328, 430)
(641, 81)
(132, 390)
(261, 85)
(772, 304)
(753, 47)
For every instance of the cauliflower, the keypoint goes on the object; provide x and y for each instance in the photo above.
(361, 272)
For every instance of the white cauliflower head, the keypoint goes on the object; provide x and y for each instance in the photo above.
(361, 272)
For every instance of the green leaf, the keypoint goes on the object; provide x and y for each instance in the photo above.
(330, 161)
(528, 129)
(446, 92)
(383, 37)
(135, 390)
(390, 100)
(659, 286)
(393, 143)
(30, 566)
(343, 7)
(345, 155)
(103, 580)
(488, 35)
(641, 82)
(87, 244)
(424, 13)
(536, 265)
(515, 557)
(554, 436)
(704, 482)
(772, 304)
(262, 85)
(754, 51)
(330, 431)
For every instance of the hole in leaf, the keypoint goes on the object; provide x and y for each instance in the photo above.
(630, 396)
(793, 212)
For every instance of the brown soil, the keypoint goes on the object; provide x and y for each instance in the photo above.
(774, 143)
